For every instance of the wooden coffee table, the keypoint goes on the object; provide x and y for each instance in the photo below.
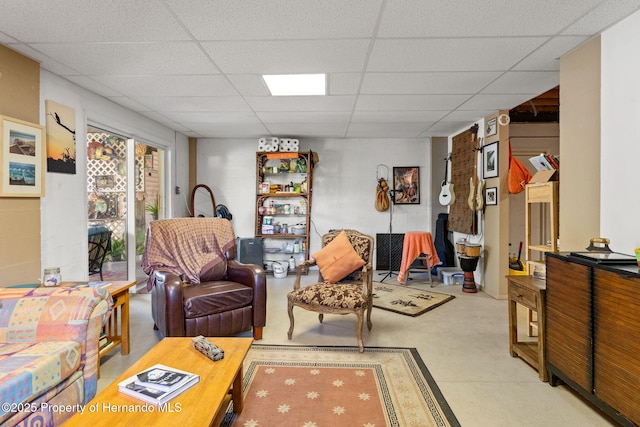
(204, 404)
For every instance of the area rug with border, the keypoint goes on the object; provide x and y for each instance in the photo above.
(307, 386)
(406, 300)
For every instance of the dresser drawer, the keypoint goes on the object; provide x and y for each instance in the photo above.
(524, 296)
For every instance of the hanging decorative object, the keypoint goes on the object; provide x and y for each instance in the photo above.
(382, 190)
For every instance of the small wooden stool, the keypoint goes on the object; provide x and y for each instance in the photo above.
(529, 292)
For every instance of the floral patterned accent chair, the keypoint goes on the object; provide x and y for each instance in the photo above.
(345, 279)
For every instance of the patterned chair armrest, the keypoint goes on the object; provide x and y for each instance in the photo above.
(302, 269)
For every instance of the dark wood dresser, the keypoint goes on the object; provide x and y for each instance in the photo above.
(592, 332)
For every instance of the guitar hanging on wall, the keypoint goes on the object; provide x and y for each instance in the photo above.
(447, 195)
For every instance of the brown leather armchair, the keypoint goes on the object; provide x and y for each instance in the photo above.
(228, 298)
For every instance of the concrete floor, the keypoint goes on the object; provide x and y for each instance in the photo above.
(464, 343)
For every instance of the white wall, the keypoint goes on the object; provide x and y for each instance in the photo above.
(64, 207)
(344, 183)
(620, 150)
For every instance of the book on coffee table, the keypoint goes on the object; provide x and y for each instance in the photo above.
(158, 384)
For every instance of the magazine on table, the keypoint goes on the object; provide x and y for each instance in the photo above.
(158, 384)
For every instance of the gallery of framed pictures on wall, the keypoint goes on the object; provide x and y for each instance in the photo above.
(406, 185)
(490, 161)
(22, 158)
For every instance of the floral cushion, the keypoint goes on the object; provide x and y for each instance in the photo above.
(330, 295)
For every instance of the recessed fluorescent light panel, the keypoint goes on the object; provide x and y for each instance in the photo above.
(296, 84)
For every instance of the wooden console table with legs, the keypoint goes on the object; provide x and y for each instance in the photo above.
(117, 327)
(529, 292)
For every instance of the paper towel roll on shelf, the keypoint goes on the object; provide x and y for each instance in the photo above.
(273, 144)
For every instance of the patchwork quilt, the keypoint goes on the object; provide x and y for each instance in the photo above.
(47, 336)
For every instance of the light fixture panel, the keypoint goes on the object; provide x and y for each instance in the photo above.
(296, 84)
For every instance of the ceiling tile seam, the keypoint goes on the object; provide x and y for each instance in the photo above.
(365, 65)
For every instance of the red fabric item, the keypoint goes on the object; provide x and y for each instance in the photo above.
(519, 176)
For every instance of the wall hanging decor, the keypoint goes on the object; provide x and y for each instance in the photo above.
(61, 138)
(491, 196)
(490, 161)
(22, 158)
(406, 185)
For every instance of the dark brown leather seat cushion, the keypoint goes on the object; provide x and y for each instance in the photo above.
(215, 297)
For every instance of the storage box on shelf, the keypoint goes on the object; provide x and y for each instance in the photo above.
(283, 206)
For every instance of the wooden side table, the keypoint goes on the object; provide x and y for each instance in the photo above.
(117, 327)
(529, 292)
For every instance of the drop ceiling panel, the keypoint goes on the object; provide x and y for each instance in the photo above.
(409, 102)
(523, 82)
(495, 102)
(229, 130)
(301, 103)
(344, 83)
(249, 84)
(287, 56)
(308, 130)
(277, 19)
(547, 56)
(94, 86)
(486, 54)
(82, 21)
(397, 116)
(131, 58)
(193, 103)
(188, 117)
(304, 117)
(601, 17)
(427, 83)
(470, 18)
(386, 130)
(174, 85)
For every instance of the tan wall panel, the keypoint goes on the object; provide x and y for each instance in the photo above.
(19, 217)
(580, 146)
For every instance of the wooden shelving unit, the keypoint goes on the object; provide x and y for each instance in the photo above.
(284, 185)
(535, 194)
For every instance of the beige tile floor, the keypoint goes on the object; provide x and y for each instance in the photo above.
(464, 344)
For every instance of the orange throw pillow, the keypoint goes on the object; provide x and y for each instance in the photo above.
(338, 259)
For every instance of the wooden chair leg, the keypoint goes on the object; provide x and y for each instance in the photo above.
(359, 331)
(291, 322)
(369, 307)
(257, 333)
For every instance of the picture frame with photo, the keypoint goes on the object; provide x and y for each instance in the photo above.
(491, 196)
(22, 158)
(490, 161)
(406, 185)
(492, 128)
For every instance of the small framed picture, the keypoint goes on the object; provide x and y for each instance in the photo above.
(491, 196)
(22, 158)
(406, 185)
(490, 161)
(491, 127)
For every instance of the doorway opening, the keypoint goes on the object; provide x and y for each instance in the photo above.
(125, 192)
